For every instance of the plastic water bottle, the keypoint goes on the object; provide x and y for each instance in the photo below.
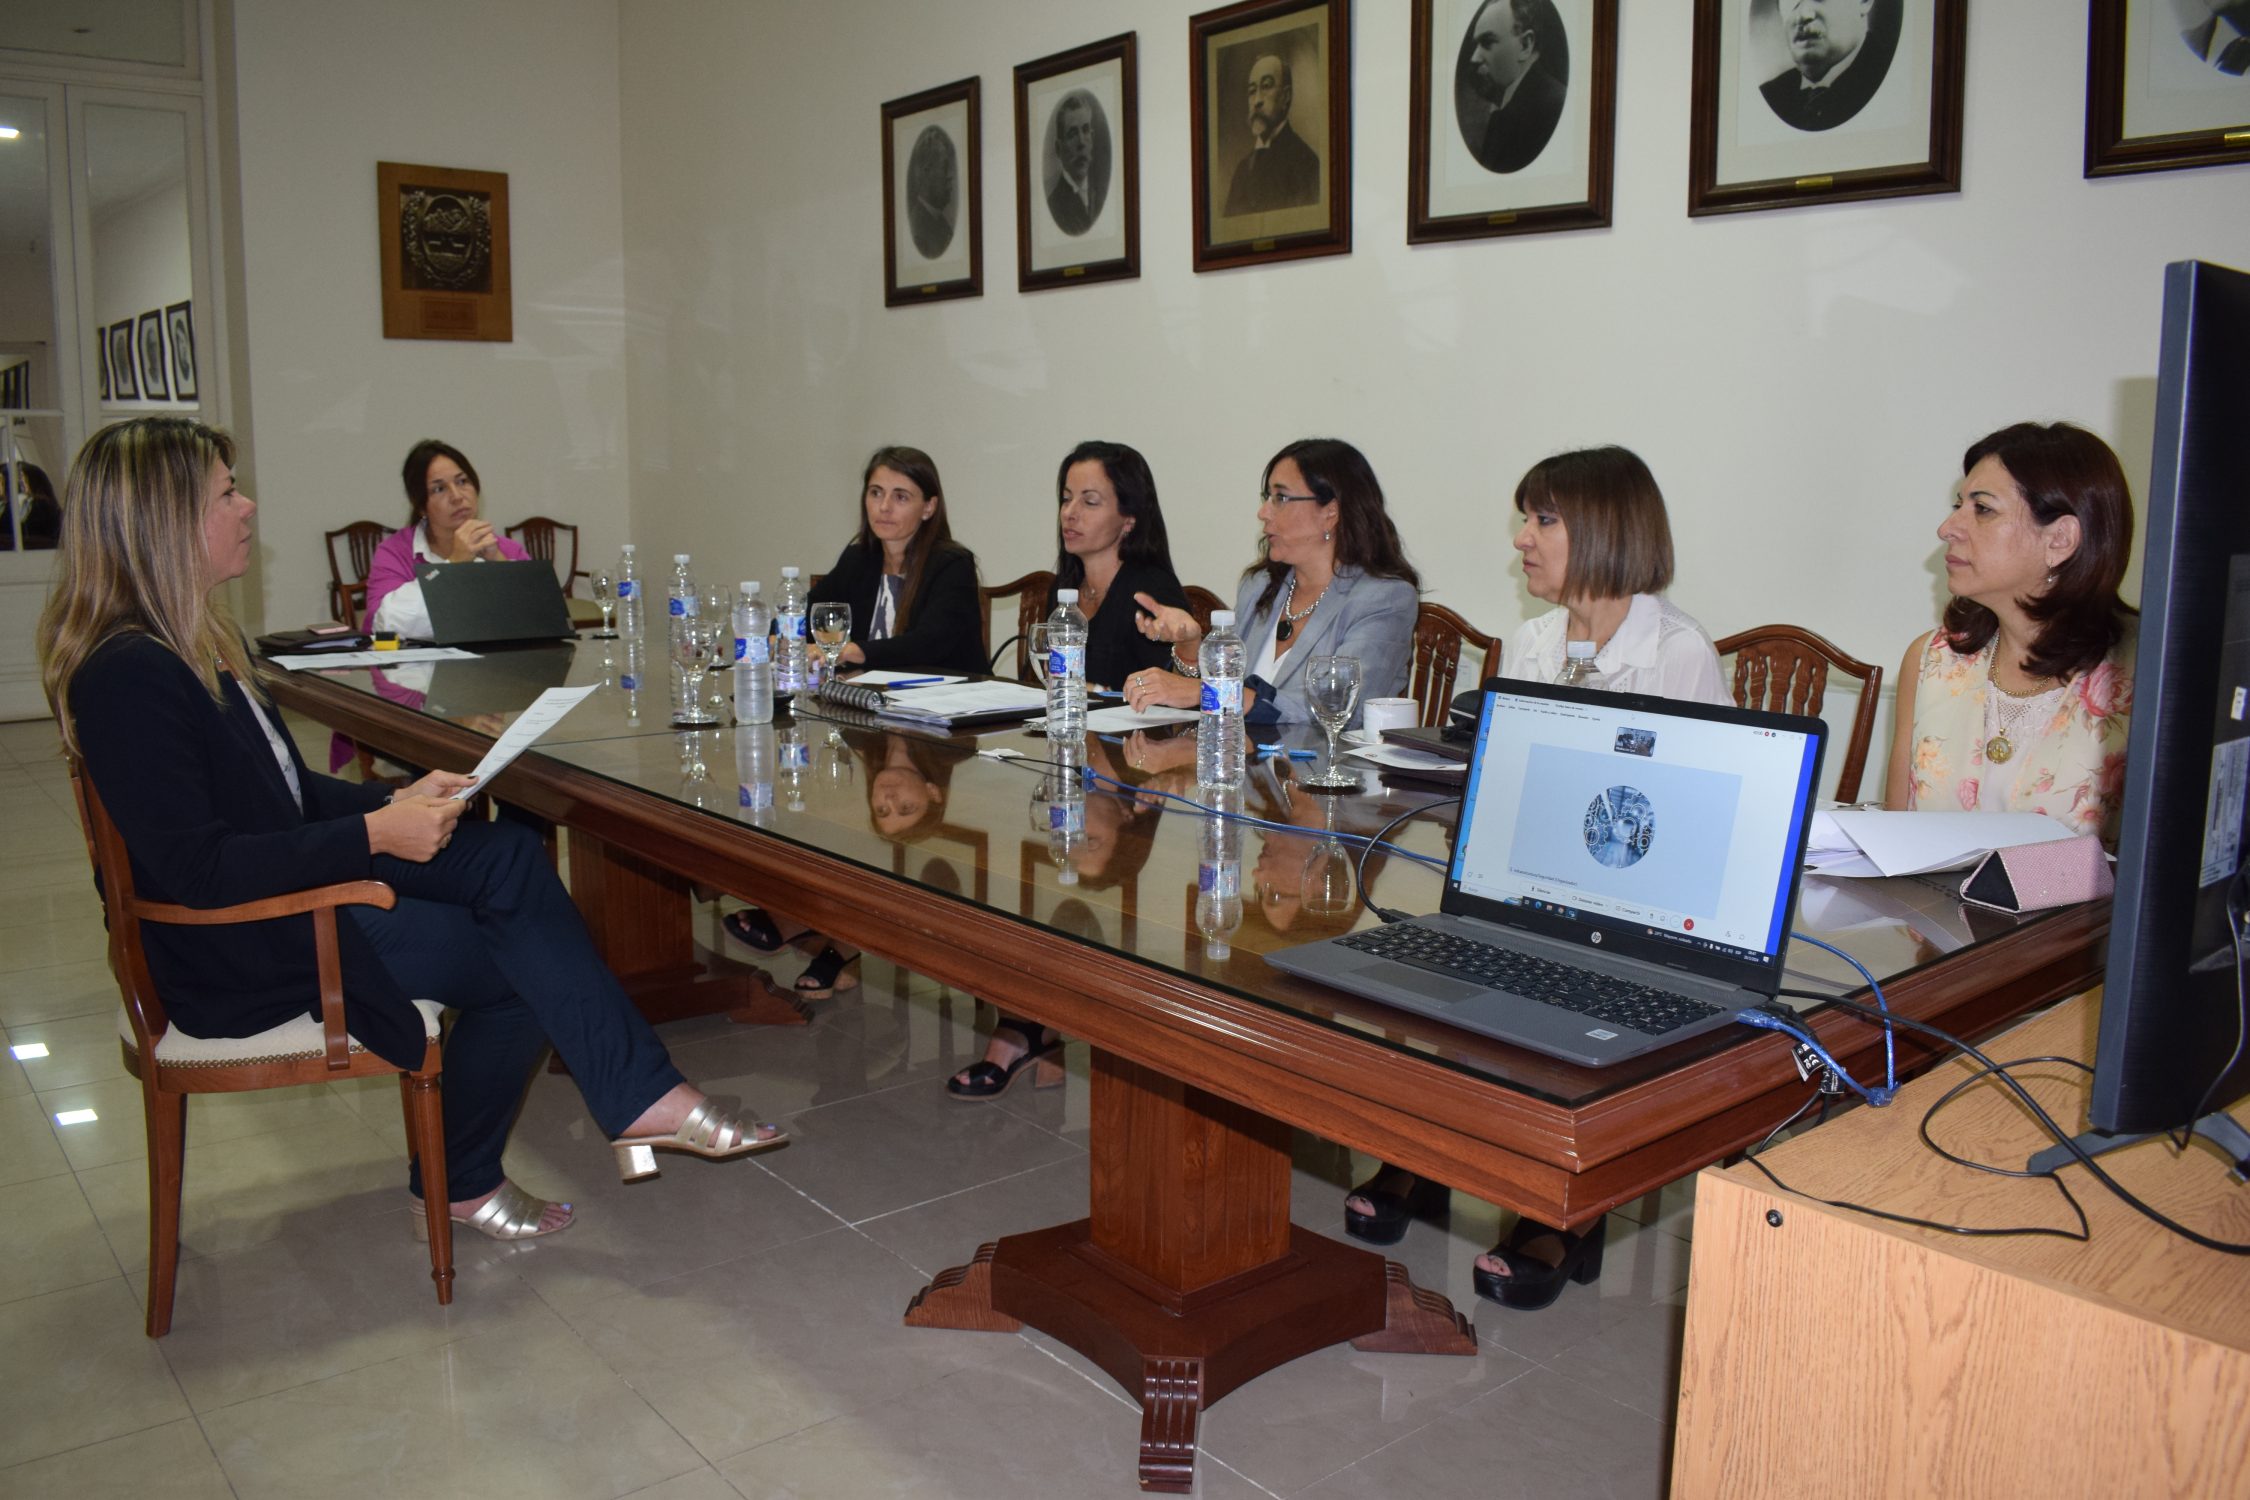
(1578, 665)
(629, 621)
(1066, 670)
(792, 760)
(680, 611)
(1219, 750)
(753, 661)
(1218, 873)
(1066, 805)
(629, 678)
(789, 627)
(755, 753)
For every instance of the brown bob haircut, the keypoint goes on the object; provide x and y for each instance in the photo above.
(1620, 537)
(2061, 470)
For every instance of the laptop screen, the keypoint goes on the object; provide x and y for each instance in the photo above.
(1682, 827)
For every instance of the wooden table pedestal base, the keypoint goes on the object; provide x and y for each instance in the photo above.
(1206, 1285)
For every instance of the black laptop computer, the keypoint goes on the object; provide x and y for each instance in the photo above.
(473, 604)
(1624, 876)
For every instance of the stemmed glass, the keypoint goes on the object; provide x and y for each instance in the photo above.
(831, 631)
(1328, 888)
(605, 595)
(1036, 638)
(696, 652)
(1332, 686)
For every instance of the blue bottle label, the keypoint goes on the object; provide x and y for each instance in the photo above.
(626, 589)
(679, 604)
(1223, 696)
(752, 650)
(1066, 661)
(1219, 878)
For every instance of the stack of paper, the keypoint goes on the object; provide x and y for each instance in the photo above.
(1859, 843)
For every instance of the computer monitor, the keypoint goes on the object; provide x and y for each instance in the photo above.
(2171, 1023)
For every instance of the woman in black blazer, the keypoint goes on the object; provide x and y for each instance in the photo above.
(912, 588)
(152, 689)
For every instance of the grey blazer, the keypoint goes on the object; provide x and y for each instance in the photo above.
(1370, 618)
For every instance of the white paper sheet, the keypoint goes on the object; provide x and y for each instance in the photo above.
(962, 700)
(1406, 758)
(1858, 844)
(323, 659)
(545, 712)
(1125, 720)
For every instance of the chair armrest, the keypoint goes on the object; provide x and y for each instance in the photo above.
(322, 902)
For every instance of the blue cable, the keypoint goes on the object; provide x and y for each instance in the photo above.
(1890, 1051)
(1094, 777)
(1877, 1096)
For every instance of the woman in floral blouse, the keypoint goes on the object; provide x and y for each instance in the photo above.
(2019, 700)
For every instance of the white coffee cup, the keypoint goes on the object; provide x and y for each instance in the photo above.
(1380, 714)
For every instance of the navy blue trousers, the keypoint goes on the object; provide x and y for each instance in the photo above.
(487, 929)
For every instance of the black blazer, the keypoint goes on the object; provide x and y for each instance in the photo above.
(208, 821)
(944, 629)
(1115, 647)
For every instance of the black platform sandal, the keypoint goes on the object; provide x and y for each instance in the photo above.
(988, 1080)
(754, 929)
(1532, 1283)
(1395, 1210)
(825, 975)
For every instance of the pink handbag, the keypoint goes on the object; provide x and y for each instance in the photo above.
(2033, 877)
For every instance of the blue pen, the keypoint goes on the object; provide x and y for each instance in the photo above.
(914, 682)
(1292, 754)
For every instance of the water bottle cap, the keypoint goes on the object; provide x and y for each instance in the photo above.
(1579, 649)
(788, 572)
(1222, 619)
(1066, 876)
(628, 549)
(749, 588)
(1215, 948)
(679, 559)
(1066, 596)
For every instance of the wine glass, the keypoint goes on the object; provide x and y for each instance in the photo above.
(1328, 874)
(831, 632)
(695, 653)
(1332, 686)
(605, 595)
(1036, 639)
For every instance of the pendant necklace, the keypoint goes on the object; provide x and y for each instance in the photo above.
(2006, 712)
(1288, 626)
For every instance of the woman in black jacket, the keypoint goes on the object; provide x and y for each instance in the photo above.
(152, 689)
(912, 588)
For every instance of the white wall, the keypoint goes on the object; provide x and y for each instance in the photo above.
(324, 90)
(1802, 382)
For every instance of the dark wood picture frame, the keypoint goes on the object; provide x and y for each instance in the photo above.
(1221, 54)
(1114, 177)
(179, 333)
(121, 378)
(1501, 214)
(101, 361)
(444, 235)
(148, 342)
(1935, 169)
(936, 150)
(2109, 151)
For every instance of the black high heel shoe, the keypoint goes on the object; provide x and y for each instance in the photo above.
(1531, 1283)
(754, 929)
(1394, 1210)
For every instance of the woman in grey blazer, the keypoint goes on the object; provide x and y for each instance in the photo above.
(1331, 579)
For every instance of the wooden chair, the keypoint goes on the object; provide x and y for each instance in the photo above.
(1439, 635)
(1030, 593)
(347, 585)
(172, 1065)
(1784, 668)
(1201, 601)
(540, 537)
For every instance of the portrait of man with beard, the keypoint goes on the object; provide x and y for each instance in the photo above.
(1516, 62)
(1280, 170)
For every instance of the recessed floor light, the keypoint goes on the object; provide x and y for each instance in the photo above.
(76, 1117)
(26, 1051)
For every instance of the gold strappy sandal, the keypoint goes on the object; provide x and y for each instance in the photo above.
(509, 1214)
(708, 1132)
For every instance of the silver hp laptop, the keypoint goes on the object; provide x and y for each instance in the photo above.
(472, 604)
(1623, 877)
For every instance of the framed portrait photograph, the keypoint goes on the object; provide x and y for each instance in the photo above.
(121, 381)
(179, 333)
(15, 386)
(444, 234)
(1078, 167)
(933, 196)
(148, 342)
(1271, 131)
(2167, 85)
(1513, 117)
(1824, 101)
(101, 360)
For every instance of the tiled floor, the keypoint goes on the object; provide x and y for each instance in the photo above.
(728, 1329)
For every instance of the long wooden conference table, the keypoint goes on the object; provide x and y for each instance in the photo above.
(1187, 1279)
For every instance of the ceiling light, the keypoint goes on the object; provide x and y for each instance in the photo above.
(26, 1051)
(76, 1117)
(9, 132)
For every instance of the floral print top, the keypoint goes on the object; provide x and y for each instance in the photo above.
(2070, 765)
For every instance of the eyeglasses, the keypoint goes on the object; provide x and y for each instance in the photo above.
(1278, 498)
(451, 486)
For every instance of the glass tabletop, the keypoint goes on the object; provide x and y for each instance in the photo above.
(1130, 864)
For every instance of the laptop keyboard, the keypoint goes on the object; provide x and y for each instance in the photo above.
(1603, 997)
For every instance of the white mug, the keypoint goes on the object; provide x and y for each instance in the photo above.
(1379, 714)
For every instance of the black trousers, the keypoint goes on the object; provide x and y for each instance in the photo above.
(487, 929)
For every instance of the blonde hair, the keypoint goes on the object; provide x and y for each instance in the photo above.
(131, 557)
